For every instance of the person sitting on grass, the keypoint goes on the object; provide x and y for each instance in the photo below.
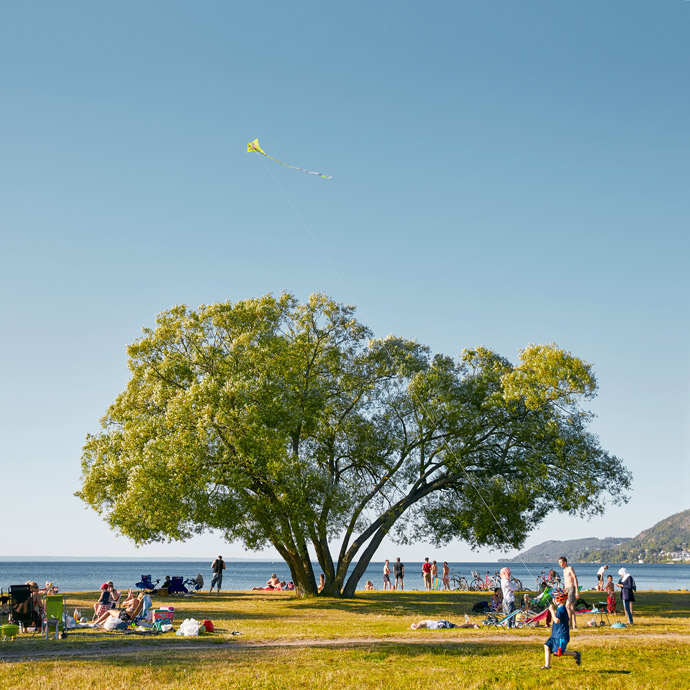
(272, 584)
(560, 632)
(437, 625)
(114, 594)
(497, 600)
(104, 602)
(131, 608)
(369, 587)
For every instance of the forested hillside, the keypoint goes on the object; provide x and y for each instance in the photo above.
(667, 541)
(575, 550)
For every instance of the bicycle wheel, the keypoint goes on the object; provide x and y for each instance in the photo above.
(475, 585)
(463, 585)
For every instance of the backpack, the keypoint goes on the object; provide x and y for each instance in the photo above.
(481, 607)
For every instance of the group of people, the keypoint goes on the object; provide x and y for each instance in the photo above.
(275, 584)
(397, 572)
(561, 606)
(564, 618)
(107, 605)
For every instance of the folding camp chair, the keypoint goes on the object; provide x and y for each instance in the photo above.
(493, 621)
(55, 615)
(21, 607)
(176, 586)
(146, 583)
(531, 620)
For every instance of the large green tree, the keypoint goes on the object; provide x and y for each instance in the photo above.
(285, 423)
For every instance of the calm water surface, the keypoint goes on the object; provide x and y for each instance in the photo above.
(80, 576)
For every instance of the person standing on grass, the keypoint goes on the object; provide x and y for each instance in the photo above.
(445, 576)
(508, 590)
(426, 574)
(387, 576)
(399, 572)
(560, 633)
(628, 588)
(571, 588)
(610, 595)
(218, 566)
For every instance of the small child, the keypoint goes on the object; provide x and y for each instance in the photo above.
(560, 632)
(610, 595)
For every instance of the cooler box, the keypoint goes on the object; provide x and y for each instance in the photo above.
(163, 617)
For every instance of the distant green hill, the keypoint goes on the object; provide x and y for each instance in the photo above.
(575, 550)
(667, 541)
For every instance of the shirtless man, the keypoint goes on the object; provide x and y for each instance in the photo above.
(572, 589)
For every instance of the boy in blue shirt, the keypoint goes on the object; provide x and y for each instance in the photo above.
(560, 632)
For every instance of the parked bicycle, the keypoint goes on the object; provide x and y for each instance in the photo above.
(518, 583)
(483, 584)
(457, 583)
(547, 580)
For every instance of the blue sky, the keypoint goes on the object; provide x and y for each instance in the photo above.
(503, 173)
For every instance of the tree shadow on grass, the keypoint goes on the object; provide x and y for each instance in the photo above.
(404, 603)
(370, 651)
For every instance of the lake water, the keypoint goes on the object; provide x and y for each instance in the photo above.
(81, 576)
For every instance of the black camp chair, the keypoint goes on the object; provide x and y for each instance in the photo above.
(176, 586)
(22, 610)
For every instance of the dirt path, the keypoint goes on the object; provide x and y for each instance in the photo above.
(106, 649)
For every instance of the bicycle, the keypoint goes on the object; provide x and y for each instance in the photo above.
(458, 583)
(518, 583)
(483, 584)
(546, 581)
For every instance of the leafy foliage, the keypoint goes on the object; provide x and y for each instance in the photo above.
(285, 423)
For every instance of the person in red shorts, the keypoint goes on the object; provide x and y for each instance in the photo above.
(560, 632)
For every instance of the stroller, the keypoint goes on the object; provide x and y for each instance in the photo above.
(146, 584)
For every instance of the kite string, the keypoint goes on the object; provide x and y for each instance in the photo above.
(308, 229)
(468, 477)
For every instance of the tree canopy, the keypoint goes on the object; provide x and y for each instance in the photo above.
(285, 423)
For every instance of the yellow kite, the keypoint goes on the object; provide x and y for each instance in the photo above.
(254, 146)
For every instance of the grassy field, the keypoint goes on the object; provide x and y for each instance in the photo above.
(287, 642)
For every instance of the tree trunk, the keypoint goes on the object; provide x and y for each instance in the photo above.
(362, 563)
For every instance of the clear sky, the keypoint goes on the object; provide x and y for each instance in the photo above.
(503, 173)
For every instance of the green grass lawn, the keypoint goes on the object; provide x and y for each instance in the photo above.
(287, 642)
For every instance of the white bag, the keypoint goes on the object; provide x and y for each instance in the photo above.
(111, 623)
(189, 628)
